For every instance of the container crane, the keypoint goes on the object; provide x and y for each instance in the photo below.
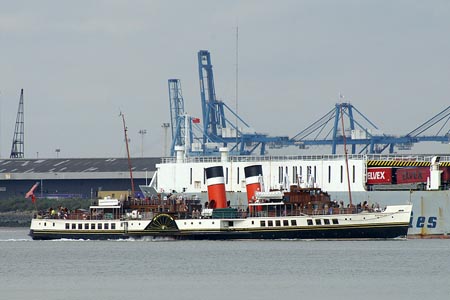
(217, 129)
(362, 132)
(182, 125)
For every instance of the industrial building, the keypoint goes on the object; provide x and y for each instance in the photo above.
(73, 177)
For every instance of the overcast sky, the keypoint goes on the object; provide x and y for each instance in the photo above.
(82, 62)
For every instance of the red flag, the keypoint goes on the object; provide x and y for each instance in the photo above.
(195, 120)
(31, 192)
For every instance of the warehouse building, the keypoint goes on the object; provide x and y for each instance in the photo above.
(73, 177)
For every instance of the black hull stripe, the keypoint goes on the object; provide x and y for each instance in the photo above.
(381, 231)
(374, 232)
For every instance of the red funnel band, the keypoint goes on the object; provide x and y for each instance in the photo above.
(217, 194)
(251, 190)
(216, 186)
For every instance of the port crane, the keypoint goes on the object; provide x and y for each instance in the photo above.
(17, 149)
(216, 130)
(363, 133)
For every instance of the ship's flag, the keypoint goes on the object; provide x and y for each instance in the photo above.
(195, 120)
(30, 193)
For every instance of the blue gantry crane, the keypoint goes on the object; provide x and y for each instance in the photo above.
(363, 135)
(217, 128)
(182, 125)
(214, 130)
(344, 124)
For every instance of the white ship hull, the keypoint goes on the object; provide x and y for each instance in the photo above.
(388, 224)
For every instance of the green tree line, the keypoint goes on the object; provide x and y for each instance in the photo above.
(26, 205)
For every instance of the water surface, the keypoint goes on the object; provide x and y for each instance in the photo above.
(292, 269)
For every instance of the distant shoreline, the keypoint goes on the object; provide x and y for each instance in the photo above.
(15, 219)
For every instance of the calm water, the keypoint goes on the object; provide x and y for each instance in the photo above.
(412, 269)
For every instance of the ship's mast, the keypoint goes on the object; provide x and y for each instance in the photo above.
(125, 129)
(346, 157)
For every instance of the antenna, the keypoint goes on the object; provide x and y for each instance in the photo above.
(346, 156)
(17, 149)
(237, 79)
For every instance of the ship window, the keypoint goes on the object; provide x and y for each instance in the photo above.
(74, 226)
(285, 223)
(342, 174)
(45, 223)
(53, 224)
(92, 225)
(99, 226)
(263, 223)
(226, 175)
(237, 175)
(113, 226)
(309, 221)
(106, 226)
(329, 174)
(315, 173)
(294, 174)
(326, 221)
(270, 223)
(353, 173)
(318, 222)
(80, 226)
(280, 174)
(277, 223)
(190, 176)
(230, 223)
(253, 222)
(67, 226)
(86, 225)
(335, 221)
(294, 222)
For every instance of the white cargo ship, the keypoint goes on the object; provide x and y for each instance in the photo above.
(378, 180)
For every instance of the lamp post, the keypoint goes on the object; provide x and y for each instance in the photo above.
(142, 132)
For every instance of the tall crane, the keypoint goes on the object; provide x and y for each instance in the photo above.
(216, 127)
(17, 149)
(180, 122)
(176, 102)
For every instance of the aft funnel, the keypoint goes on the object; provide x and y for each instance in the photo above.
(252, 181)
(216, 187)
